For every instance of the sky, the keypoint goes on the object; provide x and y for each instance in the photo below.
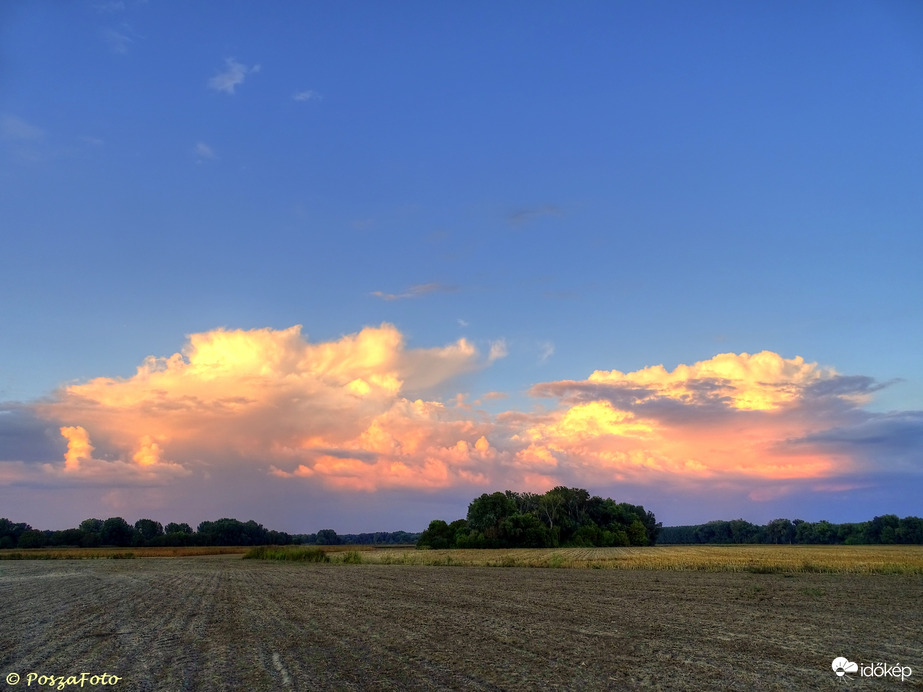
(351, 265)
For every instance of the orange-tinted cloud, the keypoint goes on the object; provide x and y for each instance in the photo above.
(362, 413)
(335, 411)
(725, 417)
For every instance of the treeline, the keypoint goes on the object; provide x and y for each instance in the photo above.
(115, 531)
(560, 517)
(886, 529)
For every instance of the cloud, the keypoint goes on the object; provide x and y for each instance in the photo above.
(267, 408)
(110, 6)
(269, 396)
(521, 217)
(546, 350)
(204, 153)
(737, 417)
(498, 350)
(16, 129)
(307, 95)
(415, 291)
(234, 75)
(119, 40)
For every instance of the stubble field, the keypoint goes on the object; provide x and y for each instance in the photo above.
(224, 623)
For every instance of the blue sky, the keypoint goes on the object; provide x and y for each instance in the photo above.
(524, 194)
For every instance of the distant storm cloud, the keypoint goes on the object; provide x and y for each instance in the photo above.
(365, 413)
(233, 76)
(268, 395)
(725, 418)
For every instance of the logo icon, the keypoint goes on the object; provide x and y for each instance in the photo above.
(841, 666)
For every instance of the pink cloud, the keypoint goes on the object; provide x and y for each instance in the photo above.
(365, 413)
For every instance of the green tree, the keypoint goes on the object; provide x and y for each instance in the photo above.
(910, 530)
(116, 531)
(32, 539)
(437, 536)
(327, 537)
(173, 527)
(780, 531)
(487, 512)
(147, 530)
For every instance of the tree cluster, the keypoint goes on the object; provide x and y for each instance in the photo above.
(115, 531)
(886, 529)
(560, 517)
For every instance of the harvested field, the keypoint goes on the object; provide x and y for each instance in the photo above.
(223, 623)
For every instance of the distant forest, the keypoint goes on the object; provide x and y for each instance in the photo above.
(561, 517)
(115, 531)
(886, 529)
(565, 517)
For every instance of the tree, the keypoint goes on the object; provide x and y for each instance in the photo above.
(116, 531)
(910, 530)
(177, 528)
(327, 537)
(10, 533)
(31, 539)
(148, 529)
(437, 536)
(487, 512)
(780, 531)
(883, 529)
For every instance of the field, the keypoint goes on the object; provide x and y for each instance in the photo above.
(752, 620)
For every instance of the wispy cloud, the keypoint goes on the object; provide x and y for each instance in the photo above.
(15, 129)
(110, 6)
(546, 350)
(119, 40)
(498, 350)
(233, 75)
(307, 95)
(521, 217)
(415, 291)
(204, 153)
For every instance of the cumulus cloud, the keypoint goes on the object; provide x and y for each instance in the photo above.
(233, 76)
(327, 410)
(734, 416)
(366, 413)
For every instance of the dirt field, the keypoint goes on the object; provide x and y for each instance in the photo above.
(223, 623)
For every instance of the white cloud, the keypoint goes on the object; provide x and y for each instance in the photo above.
(119, 39)
(307, 95)
(234, 74)
(498, 350)
(204, 152)
(18, 130)
(546, 351)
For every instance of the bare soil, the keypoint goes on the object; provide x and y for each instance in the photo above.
(222, 623)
